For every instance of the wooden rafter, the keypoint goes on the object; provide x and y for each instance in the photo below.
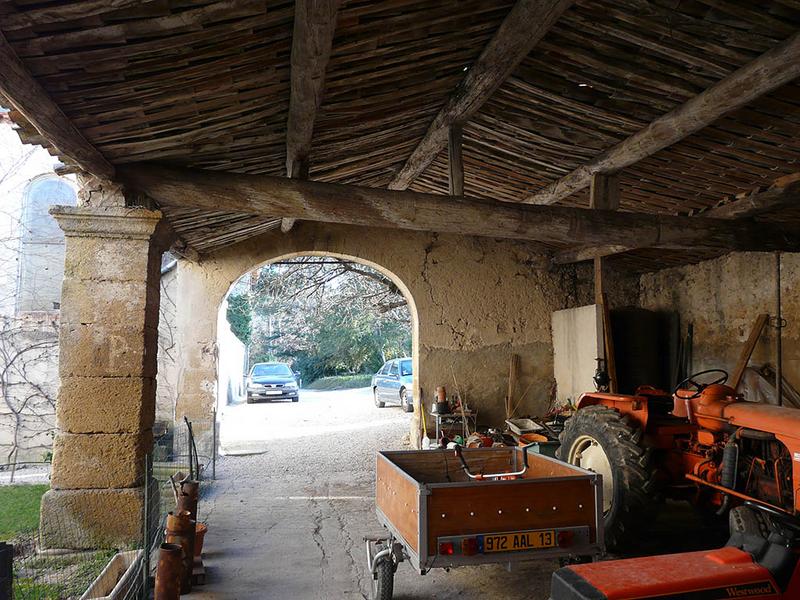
(785, 192)
(526, 24)
(33, 102)
(314, 27)
(768, 72)
(336, 203)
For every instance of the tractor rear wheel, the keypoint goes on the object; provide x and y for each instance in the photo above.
(602, 440)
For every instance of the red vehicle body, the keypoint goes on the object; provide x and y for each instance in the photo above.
(750, 566)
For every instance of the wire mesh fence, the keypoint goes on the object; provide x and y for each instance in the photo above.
(88, 551)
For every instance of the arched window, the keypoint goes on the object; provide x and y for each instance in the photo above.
(41, 251)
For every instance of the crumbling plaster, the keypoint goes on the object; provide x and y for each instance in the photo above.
(722, 298)
(477, 300)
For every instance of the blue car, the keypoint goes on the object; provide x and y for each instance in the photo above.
(392, 384)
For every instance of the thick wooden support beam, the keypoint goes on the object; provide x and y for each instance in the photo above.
(455, 162)
(521, 30)
(335, 203)
(33, 102)
(604, 195)
(314, 27)
(785, 192)
(761, 76)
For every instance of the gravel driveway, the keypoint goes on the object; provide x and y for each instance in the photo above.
(288, 521)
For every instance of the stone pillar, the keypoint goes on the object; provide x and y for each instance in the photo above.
(107, 364)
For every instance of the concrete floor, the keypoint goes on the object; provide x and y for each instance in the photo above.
(288, 523)
(294, 499)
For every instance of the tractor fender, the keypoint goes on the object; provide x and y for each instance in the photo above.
(634, 406)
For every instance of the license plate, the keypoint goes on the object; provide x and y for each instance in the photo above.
(273, 392)
(522, 540)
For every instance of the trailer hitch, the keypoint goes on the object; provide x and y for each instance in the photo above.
(495, 476)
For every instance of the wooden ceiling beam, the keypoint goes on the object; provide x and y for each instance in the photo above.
(768, 72)
(32, 101)
(312, 40)
(784, 193)
(347, 204)
(524, 26)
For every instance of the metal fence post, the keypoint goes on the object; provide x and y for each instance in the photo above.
(214, 446)
(148, 477)
(6, 571)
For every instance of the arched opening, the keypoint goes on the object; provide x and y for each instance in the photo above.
(340, 328)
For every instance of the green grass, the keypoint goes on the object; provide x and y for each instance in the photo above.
(57, 577)
(341, 382)
(20, 508)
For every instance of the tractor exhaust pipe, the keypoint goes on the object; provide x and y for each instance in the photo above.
(778, 326)
(730, 464)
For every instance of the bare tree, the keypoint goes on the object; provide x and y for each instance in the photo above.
(28, 340)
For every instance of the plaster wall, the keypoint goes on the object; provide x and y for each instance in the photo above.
(475, 301)
(722, 298)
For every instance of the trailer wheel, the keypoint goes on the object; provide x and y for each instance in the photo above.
(600, 439)
(383, 583)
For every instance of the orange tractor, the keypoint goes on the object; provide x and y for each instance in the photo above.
(702, 443)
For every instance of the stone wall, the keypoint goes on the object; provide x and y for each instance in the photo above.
(474, 302)
(722, 298)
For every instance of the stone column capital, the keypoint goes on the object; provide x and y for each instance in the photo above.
(107, 222)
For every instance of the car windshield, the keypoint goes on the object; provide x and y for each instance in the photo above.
(262, 370)
(405, 367)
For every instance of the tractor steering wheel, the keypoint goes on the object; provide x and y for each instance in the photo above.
(696, 386)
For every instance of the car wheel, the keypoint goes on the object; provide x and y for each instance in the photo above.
(407, 406)
(250, 400)
(378, 403)
(296, 399)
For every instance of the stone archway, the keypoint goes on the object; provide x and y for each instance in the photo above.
(409, 298)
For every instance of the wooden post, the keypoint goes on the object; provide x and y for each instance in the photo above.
(455, 162)
(604, 196)
(747, 351)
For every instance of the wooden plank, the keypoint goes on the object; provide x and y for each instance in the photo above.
(398, 498)
(509, 506)
(455, 162)
(747, 351)
(32, 101)
(336, 203)
(768, 72)
(611, 361)
(314, 27)
(526, 24)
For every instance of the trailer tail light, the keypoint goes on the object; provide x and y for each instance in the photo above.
(447, 549)
(469, 546)
(565, 538)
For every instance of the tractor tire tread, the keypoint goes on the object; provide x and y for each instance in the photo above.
(633, 473)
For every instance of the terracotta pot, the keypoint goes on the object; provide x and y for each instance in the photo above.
(169, 572)
(181, 531)
(199, 536)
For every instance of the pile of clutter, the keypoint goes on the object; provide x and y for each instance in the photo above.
(542, 431)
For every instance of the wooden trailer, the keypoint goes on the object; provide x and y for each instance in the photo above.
(506, 505)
